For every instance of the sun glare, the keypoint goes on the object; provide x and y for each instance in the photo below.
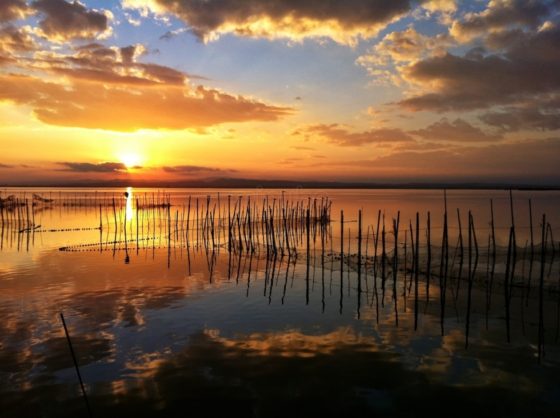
(130, 160)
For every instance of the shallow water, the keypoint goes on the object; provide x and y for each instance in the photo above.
(164, 325)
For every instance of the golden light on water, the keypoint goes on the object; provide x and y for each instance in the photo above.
(129, 198)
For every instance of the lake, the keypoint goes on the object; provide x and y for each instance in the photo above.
(262, 303)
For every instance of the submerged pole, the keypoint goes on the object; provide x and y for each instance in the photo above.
(84, 394)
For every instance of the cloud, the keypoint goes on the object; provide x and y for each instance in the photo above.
(440, 5)
(13, 39)
(397, 48)
(90, 105)
(170, 34)
(343, 21)
(455, 131)
(528, 160)
(4, 166)
(93, 168)
(193, 169)
(501, 14)
(96, 62)
(536, 116)
(302, 148)
(339, 135)
(12, 9)
(64, 21)
(405, 46)
(107, 88)
(523, 162)
(527, 70)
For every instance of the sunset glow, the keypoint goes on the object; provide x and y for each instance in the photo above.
(360, 91)
(131, 160)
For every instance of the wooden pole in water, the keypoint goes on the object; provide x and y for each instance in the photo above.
(197, 222)
(137, 226)
(229, 221)
(114, 213)
(506, 282)
(531, 229)
(513, 225)
(395, 264)
(359, 240)
(383, 258)
(188, 221)
(541, 291)
(76, 365)
(307, 226)
(470, 283)
(416, 270)
(168, 236)
(375, 245)
(359, 260)
(429, 258)
(461, 246)
(443, 269)
(341, 259)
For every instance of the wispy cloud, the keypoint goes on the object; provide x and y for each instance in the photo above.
(194, 169)
(341, 135)
(457, 130)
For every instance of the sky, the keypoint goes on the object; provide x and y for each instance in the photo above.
(369, 91)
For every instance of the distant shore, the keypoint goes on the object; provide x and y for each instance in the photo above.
(291, 184)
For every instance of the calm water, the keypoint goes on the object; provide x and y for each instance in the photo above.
(164, 324)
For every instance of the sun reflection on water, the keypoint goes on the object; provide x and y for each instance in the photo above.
(129, 198)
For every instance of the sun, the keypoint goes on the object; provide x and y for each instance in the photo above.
(130, 159)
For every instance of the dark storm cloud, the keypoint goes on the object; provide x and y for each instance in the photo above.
(63, 20)
(337, 19)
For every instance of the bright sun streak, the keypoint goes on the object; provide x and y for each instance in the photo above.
(130, 160)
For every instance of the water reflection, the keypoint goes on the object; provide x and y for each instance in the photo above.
(129, 214)
(343, 327)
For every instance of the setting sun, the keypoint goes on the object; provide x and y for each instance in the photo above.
(130, 159)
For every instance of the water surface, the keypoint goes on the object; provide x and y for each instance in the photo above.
(165, 324)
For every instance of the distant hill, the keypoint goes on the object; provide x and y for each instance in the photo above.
(242, 183)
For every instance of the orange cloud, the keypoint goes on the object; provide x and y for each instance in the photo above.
(91, 105)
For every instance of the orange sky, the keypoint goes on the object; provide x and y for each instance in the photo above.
(356, 90)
